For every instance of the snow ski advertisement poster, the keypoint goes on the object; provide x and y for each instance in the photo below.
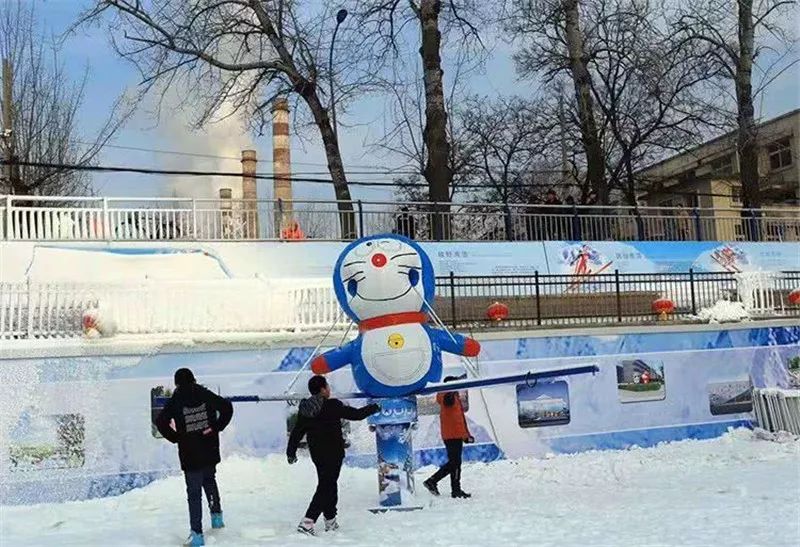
(393, 435)
(385, 284)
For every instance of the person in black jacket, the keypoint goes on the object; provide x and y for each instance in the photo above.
(198, 416)
(320, 420)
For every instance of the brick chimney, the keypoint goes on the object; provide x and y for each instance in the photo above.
(249, 194)
(281, 164)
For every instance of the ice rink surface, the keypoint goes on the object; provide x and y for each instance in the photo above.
(734, 490)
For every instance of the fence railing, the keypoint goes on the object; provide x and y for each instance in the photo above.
(167, 219)
(543, 300)
(48, 310)
(31, 310)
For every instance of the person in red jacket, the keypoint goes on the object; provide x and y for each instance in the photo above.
(454, 434)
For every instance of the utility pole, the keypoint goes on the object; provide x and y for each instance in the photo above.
(8, 119)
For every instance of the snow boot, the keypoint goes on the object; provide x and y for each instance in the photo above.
(306, 527)
(194, 540)
(216, 520)
(460, 494)
(331, 525)
(431, 487)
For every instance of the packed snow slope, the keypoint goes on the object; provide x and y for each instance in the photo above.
(733, 490)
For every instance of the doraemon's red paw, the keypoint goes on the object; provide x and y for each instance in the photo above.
(471, 347)
(320, 365)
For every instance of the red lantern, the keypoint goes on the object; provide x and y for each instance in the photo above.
(663, 307)
(794, 297)
(497, 311)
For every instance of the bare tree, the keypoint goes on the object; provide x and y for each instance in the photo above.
(553, 42)
(734, 40)
(648, 85)
(385, 22)
(512, 138)
(44, 113)
(237, 56)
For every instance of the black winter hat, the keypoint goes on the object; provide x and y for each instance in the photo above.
(184, 377)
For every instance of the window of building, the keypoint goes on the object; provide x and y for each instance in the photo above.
(722, 165)
(738, 231)
(736, 195)
(780, 154)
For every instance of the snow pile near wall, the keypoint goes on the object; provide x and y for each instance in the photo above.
(55, 264)
(724, 311)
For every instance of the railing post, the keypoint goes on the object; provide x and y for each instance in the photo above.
(639, 224)
(194, 219)
(453, 299)
(29, 325)
(9, 225)
(698, 224)
(691, 290)
(106, 222)
(279, 220)
(619, 296)
(360, 218)
(576, 224)
(538, 299)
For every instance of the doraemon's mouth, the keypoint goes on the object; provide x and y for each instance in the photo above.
(408, 290)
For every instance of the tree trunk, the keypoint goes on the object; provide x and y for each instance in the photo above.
(595, 162)
(437, 167)
(347, 220)
(746, 134)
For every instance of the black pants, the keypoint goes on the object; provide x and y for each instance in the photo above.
(327, 494)
(197, 480)
(453, 465)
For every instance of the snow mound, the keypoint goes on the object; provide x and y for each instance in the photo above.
(684, 493)
(724, 311)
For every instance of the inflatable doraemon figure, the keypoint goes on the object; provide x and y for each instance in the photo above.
(385, 284)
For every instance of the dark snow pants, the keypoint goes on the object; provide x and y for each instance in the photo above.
(201, 479)
(453, 465)
(327, 494)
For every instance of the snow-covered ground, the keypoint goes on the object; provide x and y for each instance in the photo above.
(735, 490)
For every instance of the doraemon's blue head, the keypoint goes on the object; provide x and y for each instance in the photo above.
(381, 275)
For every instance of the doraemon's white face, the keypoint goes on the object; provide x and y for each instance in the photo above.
(382, 276)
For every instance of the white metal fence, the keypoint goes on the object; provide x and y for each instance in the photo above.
(138, 219)
(777, 409)
(47, 310)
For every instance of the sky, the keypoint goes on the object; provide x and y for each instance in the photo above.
(110, 76)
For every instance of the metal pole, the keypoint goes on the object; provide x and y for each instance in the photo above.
(619, 296)
(341, 15)
(691, 289)
(453, 299)
(538, 299)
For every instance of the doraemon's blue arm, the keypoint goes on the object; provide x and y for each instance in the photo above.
(334, 359)
(455, 343)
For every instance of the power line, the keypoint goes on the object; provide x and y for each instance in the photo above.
(236, 174)
(313, 180)
(218, 157)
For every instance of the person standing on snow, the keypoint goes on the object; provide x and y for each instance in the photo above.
(198, 416)
(320, 419)
(454, 434)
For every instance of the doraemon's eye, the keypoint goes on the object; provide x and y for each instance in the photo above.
(413, 277)
(363, 250)
(352, 287)
(391, 245)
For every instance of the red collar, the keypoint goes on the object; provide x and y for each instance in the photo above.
(392, 319)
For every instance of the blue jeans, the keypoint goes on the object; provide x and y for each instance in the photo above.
(201, 479)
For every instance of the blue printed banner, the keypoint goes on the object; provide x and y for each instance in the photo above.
(395, 464)
(395, 411)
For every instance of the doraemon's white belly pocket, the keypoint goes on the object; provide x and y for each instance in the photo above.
(398, 355)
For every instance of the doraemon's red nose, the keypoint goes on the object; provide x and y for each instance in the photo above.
(379, 260)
